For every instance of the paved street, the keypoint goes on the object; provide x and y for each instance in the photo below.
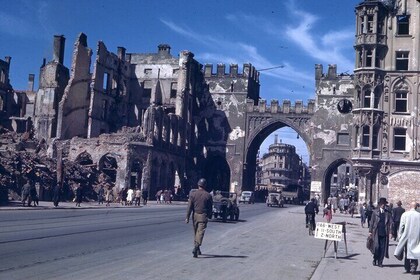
(153, 242)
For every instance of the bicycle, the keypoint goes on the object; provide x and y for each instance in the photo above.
(310, 223)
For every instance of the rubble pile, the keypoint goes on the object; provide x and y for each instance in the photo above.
(22, 157)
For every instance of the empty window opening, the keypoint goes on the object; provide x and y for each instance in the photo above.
(104, 112)
(173, 90)
(105, 82)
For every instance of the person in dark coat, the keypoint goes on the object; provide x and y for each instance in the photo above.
(369, 211)
(145, 195)
(200, 204)
(396, 217)
(79, 194)
(34, 195)
(379, 230)
(56, 195)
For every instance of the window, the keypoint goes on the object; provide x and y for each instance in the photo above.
(399, 139)
(401, 101)
(173, 90)
(375, 138)
(362, 25)
(367, 99)
(147, 89)
(370, 24)
(403, 25)
(104, 112)
(365, 136)
(105, 84)
(369, 56)
(401, 62)
(343, 139)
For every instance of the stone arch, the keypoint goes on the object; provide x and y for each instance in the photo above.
(84, 158)
(258, 135)
(326, 186)
(108, 165)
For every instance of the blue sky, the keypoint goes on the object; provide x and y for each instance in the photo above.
(293, 34)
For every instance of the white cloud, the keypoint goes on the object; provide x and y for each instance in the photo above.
(329, 49)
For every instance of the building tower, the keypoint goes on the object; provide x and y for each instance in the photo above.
(386, 80)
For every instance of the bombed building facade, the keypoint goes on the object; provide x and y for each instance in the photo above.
(156, 121)
(151, 121)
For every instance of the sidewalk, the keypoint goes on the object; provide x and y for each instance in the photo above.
(357, 264)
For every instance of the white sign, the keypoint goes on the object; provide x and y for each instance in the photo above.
(316, 186)
(329, 231)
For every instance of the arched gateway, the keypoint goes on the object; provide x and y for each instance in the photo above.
(323, 124)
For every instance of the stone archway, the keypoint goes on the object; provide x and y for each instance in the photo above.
(109, 166)
(339, 179)
(256, 138)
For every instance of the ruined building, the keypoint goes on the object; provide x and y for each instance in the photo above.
(157, 121)
(152, 121)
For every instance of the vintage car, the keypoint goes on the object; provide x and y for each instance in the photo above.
(225, 206)
(275, 199)
(247, 197)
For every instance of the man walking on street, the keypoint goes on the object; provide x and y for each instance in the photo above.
(409, 239)
(200, 204)
(396, 217)
(379, 229)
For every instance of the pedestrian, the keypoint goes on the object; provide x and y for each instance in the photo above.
(101, 193)
(369, 211)
(79, 194)
(200, 204)
(396, 217)
(137, 197)
(362, 211)
(327, 213)
(379, 230)
(311, 209)
(33, 195)
(25, 193)
(352, 208)
(56, 194)
(123, 196)
(158, 196)
(109, 197)
(130, 194)
(409, 239)
(334, 203)
(145, 196)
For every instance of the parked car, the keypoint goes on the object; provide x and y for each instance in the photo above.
(224, 206)
(275, 199)
(247, 197)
